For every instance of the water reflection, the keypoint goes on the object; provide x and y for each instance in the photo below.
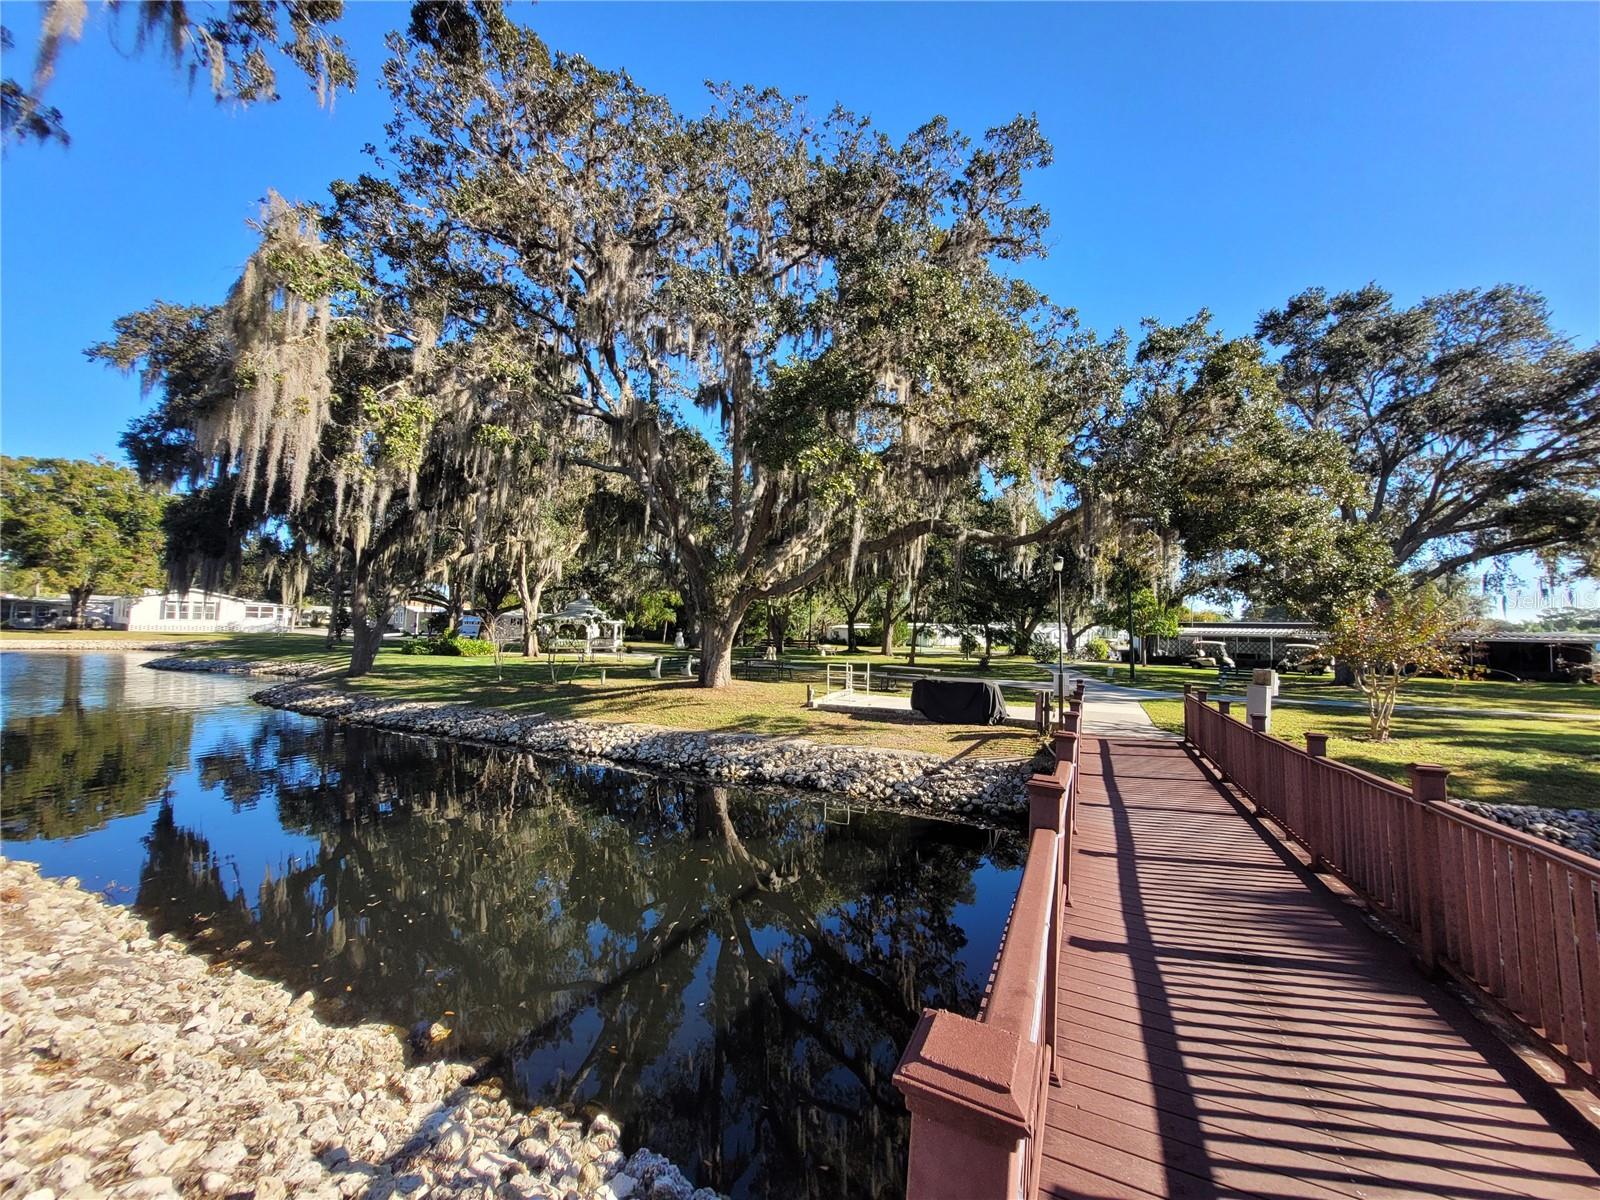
(731, 973)
(73, 757)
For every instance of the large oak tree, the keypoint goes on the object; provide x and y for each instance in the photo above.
(1474, 425)
(779, 326)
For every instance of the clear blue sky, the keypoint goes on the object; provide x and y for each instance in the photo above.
(1206, 155)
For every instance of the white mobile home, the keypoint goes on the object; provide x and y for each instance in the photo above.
(198, 612)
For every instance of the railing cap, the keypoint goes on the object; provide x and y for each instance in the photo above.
(969, 1074)
(1427, 782)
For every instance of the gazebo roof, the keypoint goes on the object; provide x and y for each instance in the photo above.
(581, 609)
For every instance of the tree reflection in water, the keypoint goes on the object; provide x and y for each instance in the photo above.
(731, 974)
(67, 767)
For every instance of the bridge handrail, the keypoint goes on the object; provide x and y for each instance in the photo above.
(977, 1087)
(1514, 917)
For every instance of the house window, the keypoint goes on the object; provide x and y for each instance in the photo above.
(184, 610)
(260, 612)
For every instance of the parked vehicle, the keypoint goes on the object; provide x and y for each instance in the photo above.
(1302, 658)
(30, 621)
(1205, 653)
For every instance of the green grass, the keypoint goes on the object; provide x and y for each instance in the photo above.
(775, 709)
(1448, 693)
(628, 693)
(1503, 760)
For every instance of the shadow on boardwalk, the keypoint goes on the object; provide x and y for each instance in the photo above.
(1232, 1028)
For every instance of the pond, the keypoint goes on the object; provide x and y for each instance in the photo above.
(730, 973)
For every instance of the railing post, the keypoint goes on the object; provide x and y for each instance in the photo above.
(1422, 846)
(971, 1088)
(1317, 800)
(1048, 808)
(1225, 707)
(1046, 802)
(1258, 722)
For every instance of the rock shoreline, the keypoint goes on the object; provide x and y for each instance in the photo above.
(1575, 828)
(904, 780)
(238, 666)
(134, 1068)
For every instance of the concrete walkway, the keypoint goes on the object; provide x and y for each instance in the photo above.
(1107, 711)
(1111, 711)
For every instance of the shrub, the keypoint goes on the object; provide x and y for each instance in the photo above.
(448, 646)
(1097, 649)
(969, 643)
(1043, 649)
(466, 647)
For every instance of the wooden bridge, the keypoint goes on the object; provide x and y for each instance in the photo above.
(1184, 1007)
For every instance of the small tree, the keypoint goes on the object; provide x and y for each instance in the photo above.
(497, 628)
(80, 526)
(1388, 640)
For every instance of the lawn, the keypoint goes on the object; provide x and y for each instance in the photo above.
(627, 694)
(1514, 760)
(1577, 698)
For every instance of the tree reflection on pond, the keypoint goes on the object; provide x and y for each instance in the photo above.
(731, 973)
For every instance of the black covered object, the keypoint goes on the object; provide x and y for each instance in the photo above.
(959, 701)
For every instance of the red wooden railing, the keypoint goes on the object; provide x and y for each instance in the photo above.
(976, 1087)
(1514, 917)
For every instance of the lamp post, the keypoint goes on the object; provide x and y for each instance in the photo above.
(1061, 643)
(1132, 654)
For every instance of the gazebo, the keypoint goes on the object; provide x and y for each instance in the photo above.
(584, 627)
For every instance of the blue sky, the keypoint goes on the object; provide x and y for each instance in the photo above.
(1206, 155)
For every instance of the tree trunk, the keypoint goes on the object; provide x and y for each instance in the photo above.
(366, 631)
(529, 595)
(850, 616)
(716, 649)
(916, 612)
(80, 603)
(337, 598)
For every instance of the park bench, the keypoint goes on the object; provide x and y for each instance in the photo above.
(769, 668)
(668, 665)
(894, 677)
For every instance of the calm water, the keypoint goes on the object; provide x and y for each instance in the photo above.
(731, 973)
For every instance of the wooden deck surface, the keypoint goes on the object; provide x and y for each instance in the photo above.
(1231, 1028)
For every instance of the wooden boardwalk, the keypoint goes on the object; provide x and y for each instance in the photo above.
(1231, 1028)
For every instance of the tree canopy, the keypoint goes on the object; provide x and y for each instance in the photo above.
(229, 46)
(1473, 425)
(798, 351)
(82, 527)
